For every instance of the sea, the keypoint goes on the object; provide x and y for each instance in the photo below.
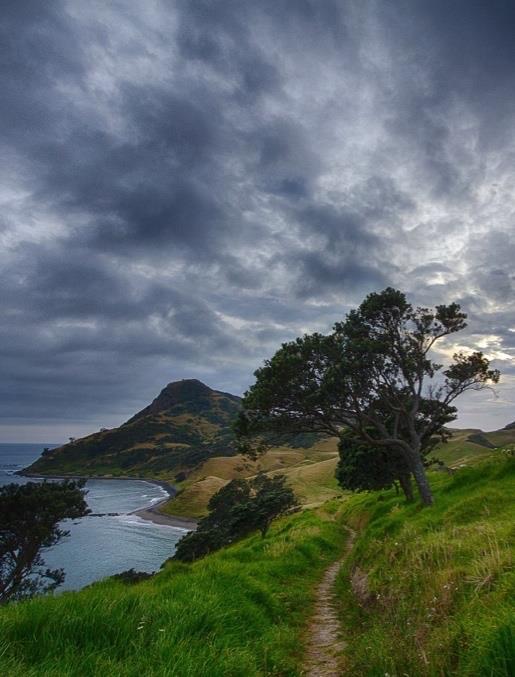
(101, 546)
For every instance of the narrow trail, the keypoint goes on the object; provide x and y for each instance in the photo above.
(325, 645)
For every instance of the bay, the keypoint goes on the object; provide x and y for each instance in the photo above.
(101, 546)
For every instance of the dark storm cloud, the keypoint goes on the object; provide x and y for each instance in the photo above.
(454, 59)
(185, 185)
(39, 51)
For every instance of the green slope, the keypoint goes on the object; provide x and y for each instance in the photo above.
(186, 424)
(240, 612)
(425, 592)
(466, 445)
(432, 591)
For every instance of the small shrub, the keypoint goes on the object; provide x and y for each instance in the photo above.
(132, 576)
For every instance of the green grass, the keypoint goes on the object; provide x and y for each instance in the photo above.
(431, 591)
(470, 445)
(425, 592)
(239, 612)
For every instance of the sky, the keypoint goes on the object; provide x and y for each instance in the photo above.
(187, 184)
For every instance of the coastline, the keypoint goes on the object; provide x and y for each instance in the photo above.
(150, 513)
(153, 514)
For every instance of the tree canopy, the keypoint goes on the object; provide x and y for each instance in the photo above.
(240, 507)
(375, 375)
(29, 518)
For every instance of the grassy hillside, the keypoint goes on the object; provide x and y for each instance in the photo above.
(424, 592)
(239, 612)
(431, 592)
(309, 471)
(472, 444)
(185, 425)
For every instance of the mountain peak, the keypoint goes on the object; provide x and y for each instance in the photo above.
(187, 387)
(176, 392)
(185, 424)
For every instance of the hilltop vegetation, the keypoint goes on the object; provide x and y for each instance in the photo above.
(186, 424)
(424, 592)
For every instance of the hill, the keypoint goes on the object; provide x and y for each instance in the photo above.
(423, 592)
(185, 437)
(310, 469)
(186, 424)
(472, 444)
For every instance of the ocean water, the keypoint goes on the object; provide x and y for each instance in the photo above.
(101, 546)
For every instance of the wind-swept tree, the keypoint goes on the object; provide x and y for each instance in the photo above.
(366, 467)
(29, 523)
(240, 507)
(375, 375)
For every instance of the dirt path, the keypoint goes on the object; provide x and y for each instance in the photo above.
(325, 645)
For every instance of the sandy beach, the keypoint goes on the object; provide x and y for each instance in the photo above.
(151, 513)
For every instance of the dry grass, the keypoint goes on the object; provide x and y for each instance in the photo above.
(314, 483)
(310, 473)
(235, 467)
(192, 500)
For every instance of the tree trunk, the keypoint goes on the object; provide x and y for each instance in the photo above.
(419, 473)
(405, 482)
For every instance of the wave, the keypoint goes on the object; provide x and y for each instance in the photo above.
(135, 520)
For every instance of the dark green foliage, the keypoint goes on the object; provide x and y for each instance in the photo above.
(364, 467)
(481, 439)
(131, 576)
(198, 544)
(270, 499)
(29, 518)
(374, 372)
(499, 659)
(369, 467)
(240, 507)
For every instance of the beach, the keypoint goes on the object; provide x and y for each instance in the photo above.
(151, 512)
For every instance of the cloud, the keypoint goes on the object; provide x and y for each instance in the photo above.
(186, 185)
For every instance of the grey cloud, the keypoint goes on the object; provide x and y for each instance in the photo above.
(186, 187)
